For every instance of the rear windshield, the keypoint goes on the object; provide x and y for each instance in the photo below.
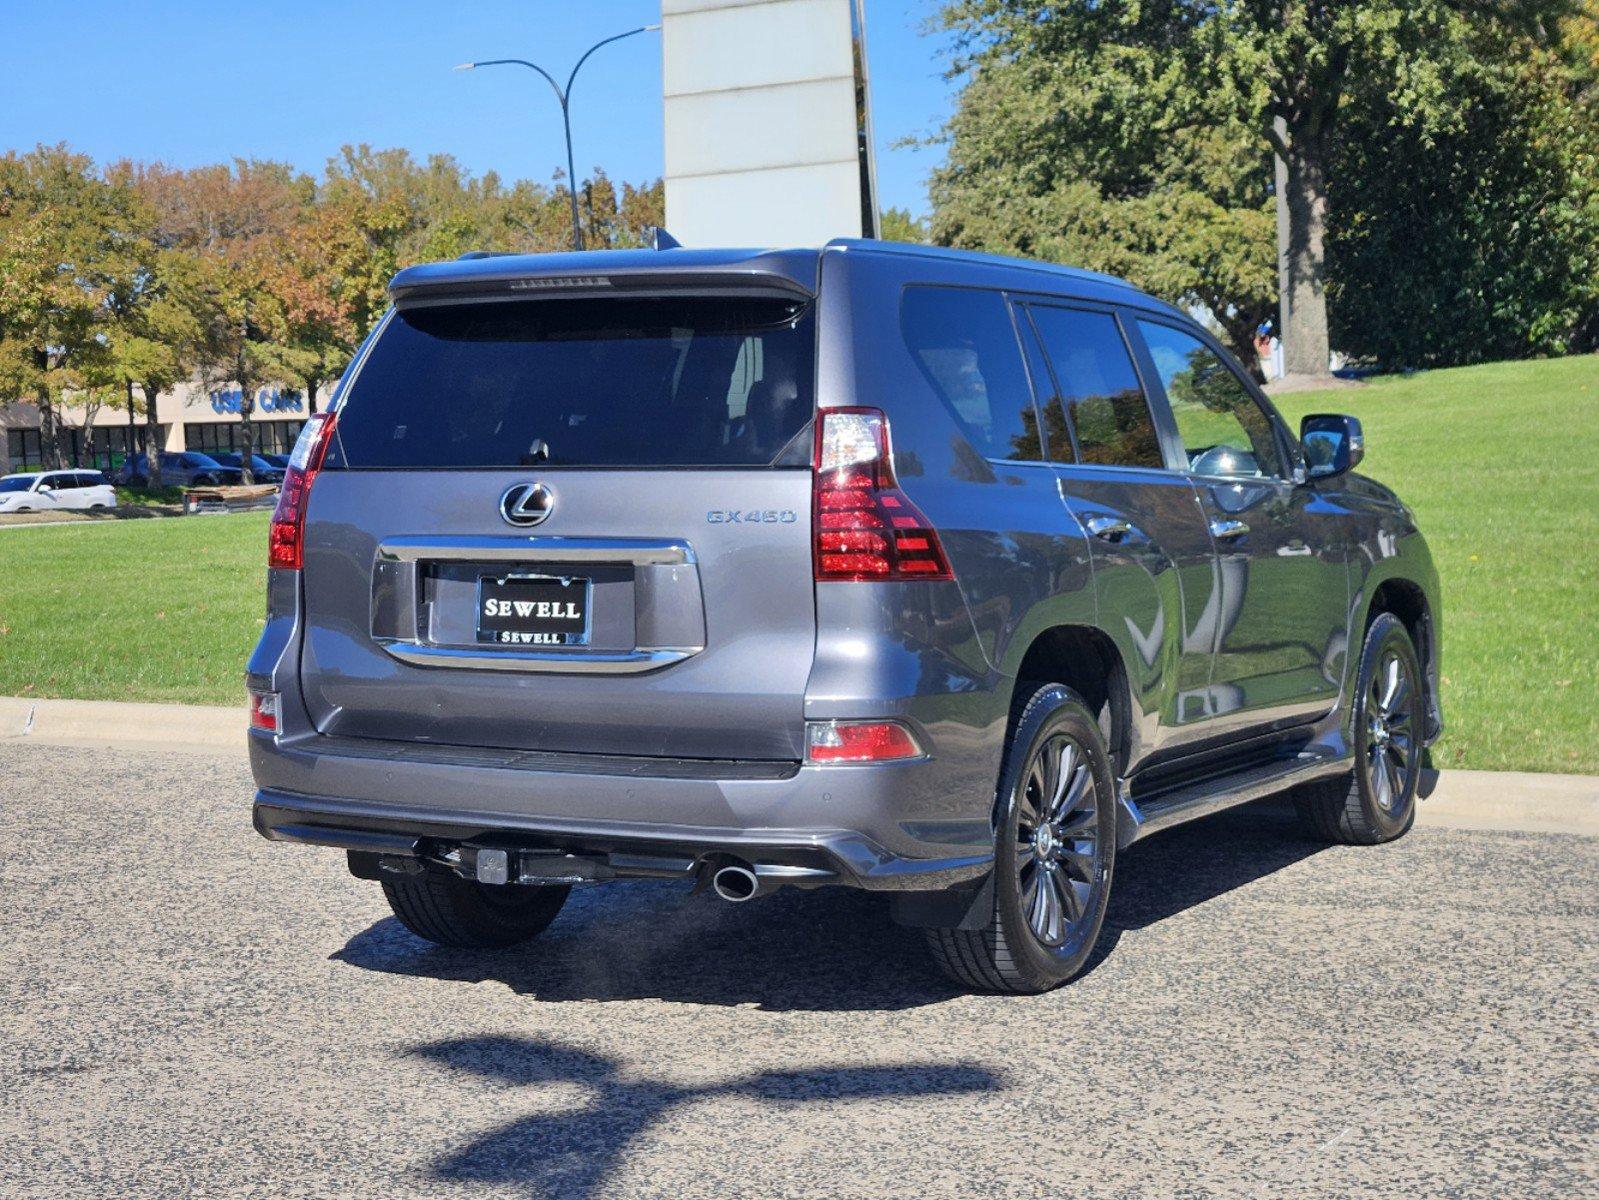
(684, 381)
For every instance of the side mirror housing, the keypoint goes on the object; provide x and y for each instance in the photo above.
(1334, 443)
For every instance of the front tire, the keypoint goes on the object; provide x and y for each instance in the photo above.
(1376, 802)
(462, 913)
(1055, 848)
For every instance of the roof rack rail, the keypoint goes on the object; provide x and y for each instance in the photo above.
(471, 254)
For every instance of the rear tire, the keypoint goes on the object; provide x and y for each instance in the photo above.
(1376, 802)
(465, 914)
(1054, 852)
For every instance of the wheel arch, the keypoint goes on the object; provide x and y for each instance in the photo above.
(1408, 600)
(1086, 660)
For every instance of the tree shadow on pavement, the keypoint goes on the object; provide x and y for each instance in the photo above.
(829, 950)
(569, 1152)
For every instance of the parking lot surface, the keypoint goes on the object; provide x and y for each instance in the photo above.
(186, 1010)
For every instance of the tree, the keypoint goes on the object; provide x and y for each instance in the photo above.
(60, 225)
(897, 225)
(1073, 145)
(1480, 241)
(1157, 111)
(234, 225)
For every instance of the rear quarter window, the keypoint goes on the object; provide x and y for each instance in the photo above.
(964, 343)
(607, 382)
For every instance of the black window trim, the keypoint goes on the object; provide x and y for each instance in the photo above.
(1176, 453)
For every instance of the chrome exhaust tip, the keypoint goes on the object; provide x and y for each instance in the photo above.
(735, 884)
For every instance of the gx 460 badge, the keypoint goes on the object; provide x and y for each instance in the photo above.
(753, 516)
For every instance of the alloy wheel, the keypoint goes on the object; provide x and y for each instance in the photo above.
(1057, 840)
(1390, 737)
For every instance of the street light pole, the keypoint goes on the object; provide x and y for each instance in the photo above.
(563, 97)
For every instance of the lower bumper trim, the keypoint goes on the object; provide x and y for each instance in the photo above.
(802, 858)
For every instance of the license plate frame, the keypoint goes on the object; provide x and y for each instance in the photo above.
(533, 628)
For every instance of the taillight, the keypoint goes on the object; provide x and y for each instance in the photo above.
(858, 741)
(865, 527)
(286, 542)
(265, 711)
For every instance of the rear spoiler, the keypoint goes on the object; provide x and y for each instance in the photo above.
(770, 285)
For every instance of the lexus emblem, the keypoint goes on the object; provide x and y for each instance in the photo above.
(526, 503)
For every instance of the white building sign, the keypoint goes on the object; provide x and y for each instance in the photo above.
(763, 132)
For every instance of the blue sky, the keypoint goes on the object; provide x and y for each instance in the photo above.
(191, 83)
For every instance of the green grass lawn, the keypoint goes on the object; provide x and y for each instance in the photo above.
(160, 610)
(1501, 464)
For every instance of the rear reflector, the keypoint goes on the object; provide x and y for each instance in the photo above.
(286, 541)
(858, 741)
(866, 528)
(265, 709)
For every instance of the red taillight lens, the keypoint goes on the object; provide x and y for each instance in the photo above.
(865, 527)
(858, 741)
(286, 541)
(265, 711)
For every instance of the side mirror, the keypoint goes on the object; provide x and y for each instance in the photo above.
(1333, 444)
(47, 487)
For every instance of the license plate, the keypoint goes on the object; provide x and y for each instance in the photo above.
(533, 610)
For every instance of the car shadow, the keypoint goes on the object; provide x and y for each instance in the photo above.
(834, 949)
(570, 1151)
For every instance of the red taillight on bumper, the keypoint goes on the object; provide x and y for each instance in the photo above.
(286, 541)
(865, 527)
(859, 742)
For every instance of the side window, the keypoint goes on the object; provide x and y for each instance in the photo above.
(965, 344)
(1097, 387)
(1223, 430)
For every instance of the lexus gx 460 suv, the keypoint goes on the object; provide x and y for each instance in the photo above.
(935, 574)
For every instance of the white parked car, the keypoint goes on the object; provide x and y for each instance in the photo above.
(44, 491)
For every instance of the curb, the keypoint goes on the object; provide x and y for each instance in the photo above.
(1506, 801)
(185, 728)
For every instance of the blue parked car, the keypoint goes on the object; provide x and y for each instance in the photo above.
(263, 470)
(186, 468)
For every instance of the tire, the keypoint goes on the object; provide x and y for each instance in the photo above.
(1022, 950)
(463, 913)
(203, 481)
(1376, 802)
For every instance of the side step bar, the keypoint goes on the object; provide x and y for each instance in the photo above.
(1213, 795)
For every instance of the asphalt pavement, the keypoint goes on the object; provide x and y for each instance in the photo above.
(187, 1010)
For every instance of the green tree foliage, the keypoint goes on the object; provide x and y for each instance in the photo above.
(1476, 241)
(897, 225)
(1137, 137)
(62, 241)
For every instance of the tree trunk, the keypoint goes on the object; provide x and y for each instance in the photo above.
(132, 447)
(1302, 199)
(311, 386)
(247, 432)
(152, 441)
(49, 432)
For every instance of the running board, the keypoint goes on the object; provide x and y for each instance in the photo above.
(1214, 795)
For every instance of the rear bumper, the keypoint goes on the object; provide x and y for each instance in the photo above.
(884, 827)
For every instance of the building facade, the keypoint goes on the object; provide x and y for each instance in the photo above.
(189, 417)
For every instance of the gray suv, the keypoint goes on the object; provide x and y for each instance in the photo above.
(936, 574)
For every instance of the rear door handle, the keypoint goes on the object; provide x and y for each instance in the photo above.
(1111, 529)
(1224, 531)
